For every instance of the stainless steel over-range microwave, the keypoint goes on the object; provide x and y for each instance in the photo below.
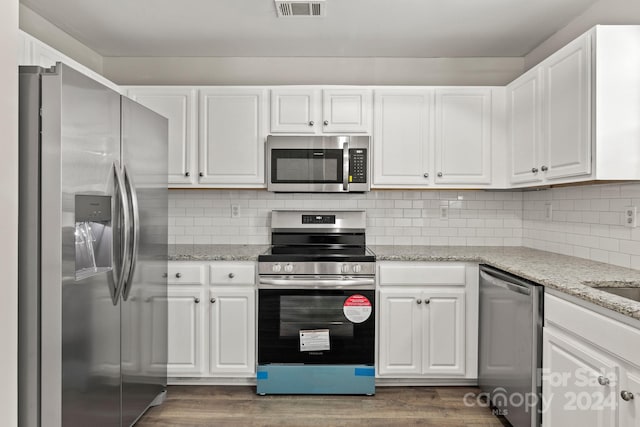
(331, 164)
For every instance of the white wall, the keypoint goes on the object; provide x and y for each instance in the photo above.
(602, 12)
(275, 71)
(9, 212)
(40, 28)
(476, 218)
(587, 222)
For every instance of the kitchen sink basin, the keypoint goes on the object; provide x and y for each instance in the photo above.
(632, 293)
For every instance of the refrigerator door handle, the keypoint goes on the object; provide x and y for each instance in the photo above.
(124, 201)
(135, 226)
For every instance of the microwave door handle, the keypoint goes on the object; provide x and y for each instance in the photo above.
(345, 166)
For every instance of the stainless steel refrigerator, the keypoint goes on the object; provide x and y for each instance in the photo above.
(92, 253)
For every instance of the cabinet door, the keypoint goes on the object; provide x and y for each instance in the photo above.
(524, 128)
(232, 135)
(574, 383)
(400, 343)
(444, 338)
(186, 335)
(630, 408)
(402, 130)
(232, 331)
(294, 110)
(178, 105)
(567, 110)
(346, 110)
(463, 136)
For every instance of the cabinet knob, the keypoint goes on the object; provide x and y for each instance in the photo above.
(201, 174)
(602, 380)
(231, 275)
(418, 301)
(311, 123)
(544, 168)
(534, 170)
(626, 395)
(326, 122)
(427, 301)
(426, 174)
(187, 174)
(178, 275)
(213, 300)
(196, 300)
(439, 174)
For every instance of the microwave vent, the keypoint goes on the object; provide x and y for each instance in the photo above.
(293, 9)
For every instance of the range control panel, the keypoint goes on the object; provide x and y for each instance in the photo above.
(358, 165)
(318, 219)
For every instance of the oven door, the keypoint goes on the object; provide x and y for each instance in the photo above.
(316, 326)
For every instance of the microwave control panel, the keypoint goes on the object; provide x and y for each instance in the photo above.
(358, 165)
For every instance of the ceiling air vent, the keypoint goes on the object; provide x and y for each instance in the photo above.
(291, 9)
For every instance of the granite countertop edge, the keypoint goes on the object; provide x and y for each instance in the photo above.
(573, 276)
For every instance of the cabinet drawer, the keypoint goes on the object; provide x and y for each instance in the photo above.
(185, 274)
(615, 337)
(405, 273)
(232, 273)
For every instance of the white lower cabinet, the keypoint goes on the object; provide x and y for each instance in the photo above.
(232, 331)
(426, 318)
(591, 368)
(212, 320)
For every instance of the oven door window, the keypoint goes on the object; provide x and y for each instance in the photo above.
(283, 314)
(306, 166)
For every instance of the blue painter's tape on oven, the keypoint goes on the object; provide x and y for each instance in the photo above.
(315, 379)
(365, 372)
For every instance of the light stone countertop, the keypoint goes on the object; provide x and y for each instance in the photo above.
(573, 276)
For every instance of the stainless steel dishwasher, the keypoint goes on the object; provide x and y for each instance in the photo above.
(510, 345)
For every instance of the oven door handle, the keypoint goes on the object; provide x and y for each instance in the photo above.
(345, 166)
(363, 283)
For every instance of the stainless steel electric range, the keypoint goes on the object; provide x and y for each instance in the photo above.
(316, 305)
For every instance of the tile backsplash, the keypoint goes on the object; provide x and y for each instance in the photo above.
(474, 218)
(586, 221)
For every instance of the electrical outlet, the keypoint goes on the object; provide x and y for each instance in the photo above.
(235, 211)
(548, 211)
(630, 216)
(444, 212)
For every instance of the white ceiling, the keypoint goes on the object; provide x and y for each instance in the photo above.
(351, 28)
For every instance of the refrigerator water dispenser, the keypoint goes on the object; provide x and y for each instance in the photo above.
(93, 235)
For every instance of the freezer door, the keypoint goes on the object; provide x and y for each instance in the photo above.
(80, 251)
(144, 306)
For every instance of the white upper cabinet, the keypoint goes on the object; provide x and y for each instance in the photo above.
(523, 105)
(442, 136)
(566, 121)
(463, 136)
(402, 129)
(178, 105)
(576, 116)
(317, 111)
(232, 134)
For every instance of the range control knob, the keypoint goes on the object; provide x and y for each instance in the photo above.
(345, 268)
(276, 268)
(288, 268)
(357, 268)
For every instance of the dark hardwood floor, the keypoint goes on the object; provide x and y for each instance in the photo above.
(391, 406)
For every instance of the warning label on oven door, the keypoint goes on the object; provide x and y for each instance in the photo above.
(357, 308)
(314, 340)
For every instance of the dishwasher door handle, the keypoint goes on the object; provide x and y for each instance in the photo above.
(514, 287)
